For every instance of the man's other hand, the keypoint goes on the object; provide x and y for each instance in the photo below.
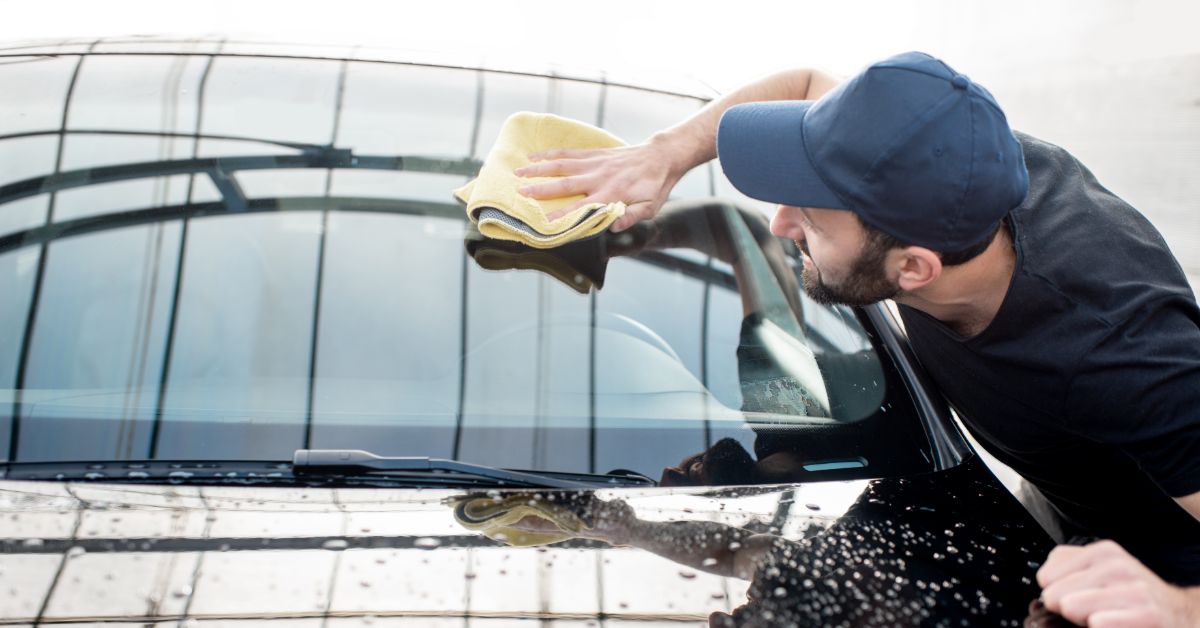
(642, 176)
(1101, 585)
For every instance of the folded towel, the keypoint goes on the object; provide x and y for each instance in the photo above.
(580, 265)
(502, 213)
(494, 517)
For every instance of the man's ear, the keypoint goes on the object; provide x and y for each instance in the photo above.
(917, 266)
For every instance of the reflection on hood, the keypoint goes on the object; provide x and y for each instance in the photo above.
(901, 555)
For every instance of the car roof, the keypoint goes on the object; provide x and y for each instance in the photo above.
(635, 78)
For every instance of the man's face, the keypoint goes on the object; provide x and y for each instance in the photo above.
(838, 266)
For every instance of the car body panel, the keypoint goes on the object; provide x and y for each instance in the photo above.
(81, 552)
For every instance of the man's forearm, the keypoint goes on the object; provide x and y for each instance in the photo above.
(694, 140)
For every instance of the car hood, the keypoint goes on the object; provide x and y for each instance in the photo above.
(932, 549)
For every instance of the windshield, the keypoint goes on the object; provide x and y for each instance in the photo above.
(229, 257)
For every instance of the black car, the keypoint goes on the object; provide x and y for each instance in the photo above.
(257, 365)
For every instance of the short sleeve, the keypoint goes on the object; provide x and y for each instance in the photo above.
(1138, 389)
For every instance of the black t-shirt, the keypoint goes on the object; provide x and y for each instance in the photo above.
(1087, 382)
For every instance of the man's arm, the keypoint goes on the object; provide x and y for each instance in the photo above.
(1191, 503)
(1102, 585)
(642, 176)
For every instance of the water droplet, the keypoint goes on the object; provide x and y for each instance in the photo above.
(76, 551)
(780, 592)
(428, 542)
(335, 544)
(687, 575)
(813, 507)
(179, 476)
(709, 562)
(182, 591)
(33, 543)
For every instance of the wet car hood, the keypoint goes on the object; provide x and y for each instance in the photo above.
(932, 549)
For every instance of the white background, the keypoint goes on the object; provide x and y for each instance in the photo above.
(1115, 81)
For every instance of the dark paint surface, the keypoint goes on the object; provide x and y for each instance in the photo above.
(946, 548)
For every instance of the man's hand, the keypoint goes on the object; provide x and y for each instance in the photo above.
(642, 176)
(1101, 585)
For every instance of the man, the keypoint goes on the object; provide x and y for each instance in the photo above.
(1051, 313)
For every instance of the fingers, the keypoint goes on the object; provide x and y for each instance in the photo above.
(555, 215)
(556, 168)
(1067, 559)
(634, 213)
(1095, 577)
(1080, 606)
(558, 188)
(1126, 618)
(1103, 585)
(563, 153)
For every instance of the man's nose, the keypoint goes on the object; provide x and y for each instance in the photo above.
(787, 224)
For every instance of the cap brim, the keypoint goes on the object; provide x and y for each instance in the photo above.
(761, 149)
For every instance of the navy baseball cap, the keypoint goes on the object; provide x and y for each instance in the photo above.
(914, 148)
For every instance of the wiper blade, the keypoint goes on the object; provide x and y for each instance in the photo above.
(354, 461)
(313, 467)
(150, 471)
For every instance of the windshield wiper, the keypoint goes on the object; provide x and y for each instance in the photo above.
(357, 461)
(314, 467)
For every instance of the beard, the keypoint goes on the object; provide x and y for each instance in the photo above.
(866, 283)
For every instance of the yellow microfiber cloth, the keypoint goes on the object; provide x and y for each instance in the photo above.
(494, 517)
(502, 213)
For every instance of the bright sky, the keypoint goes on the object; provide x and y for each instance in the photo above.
(724, 42)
